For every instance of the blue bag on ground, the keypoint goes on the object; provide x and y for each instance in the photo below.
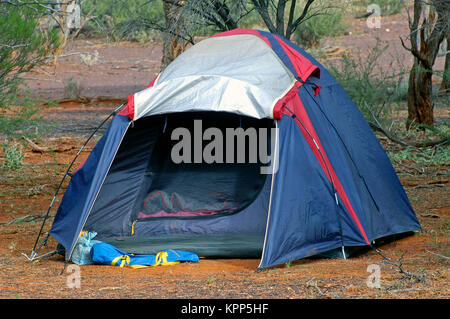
(107, 254)
(82, 252)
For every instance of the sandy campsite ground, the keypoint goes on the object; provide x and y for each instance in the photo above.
(106, 76)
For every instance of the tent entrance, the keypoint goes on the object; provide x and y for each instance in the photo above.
(150, 201)
(204, 164)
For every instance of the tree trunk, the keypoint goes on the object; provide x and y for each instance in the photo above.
(276, 22)
(64, 31)
(425, 40)
(420, 102)
(173, 45)
(445, 86)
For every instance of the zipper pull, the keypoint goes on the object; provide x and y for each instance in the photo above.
(132, 227)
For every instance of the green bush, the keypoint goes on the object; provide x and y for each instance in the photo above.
(387, 7)
(439, 156)
(22, 45)
(124, 20)
(13, 156)
(374, 89)
(325, 22)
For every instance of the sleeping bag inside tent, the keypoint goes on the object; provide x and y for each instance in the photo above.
(243, 147)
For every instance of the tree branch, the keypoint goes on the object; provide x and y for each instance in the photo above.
(213, 21)
(30, 4)
(279, 22)
(291, 17)
(395, 139)
(224, 13)
(378, 127)
(263, 10)
(15, 46)
(302, 16)
(417, 54)
(161, 28)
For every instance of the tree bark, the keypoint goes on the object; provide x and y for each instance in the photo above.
(425, 39)
(420, 102)
(277, 24)
(445, 85)
(172, 44)
(64, 31)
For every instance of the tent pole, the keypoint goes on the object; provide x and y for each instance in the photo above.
(34, 252)
(64, 267)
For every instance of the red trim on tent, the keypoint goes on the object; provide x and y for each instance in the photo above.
(291, 94)
(80, 166)
(243, 31)
(296, 106)
(152, 82)
(317, 89)
(302, 65)
(129, 109)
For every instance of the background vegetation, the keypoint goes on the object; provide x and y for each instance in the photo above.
(26, 41)
(23, 45)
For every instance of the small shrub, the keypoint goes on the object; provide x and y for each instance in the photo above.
(21, 117)
(23, 44)
(72, 90)
(13, 156)
(326, 22)
(89, 59)
(387, 7)
(123, 20)
(374, 89)
(439, 156)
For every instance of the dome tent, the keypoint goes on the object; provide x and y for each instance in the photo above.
(330, 184)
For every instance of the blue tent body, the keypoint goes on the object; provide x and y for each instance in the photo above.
(343, 193)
